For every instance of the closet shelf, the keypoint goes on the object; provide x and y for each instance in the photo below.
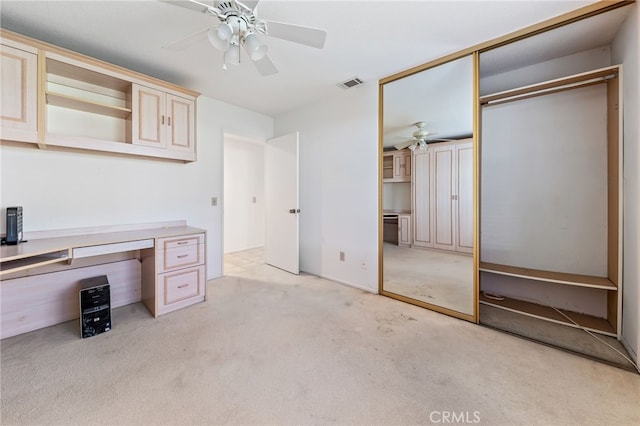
(549, 276)
(72, 102)
(589, 322)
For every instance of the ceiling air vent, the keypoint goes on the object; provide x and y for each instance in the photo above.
(355, 81)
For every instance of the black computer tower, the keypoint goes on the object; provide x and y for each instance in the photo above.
(14, 225)
(95, 306)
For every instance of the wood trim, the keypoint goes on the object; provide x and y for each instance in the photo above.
(613, 178)
(549, 276)
(476, 187)
(436, 308)
(612, 311)
(380, 189)
(549, 24)
(95, 62)
(42, 98)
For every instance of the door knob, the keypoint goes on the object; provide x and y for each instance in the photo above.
(294, 211)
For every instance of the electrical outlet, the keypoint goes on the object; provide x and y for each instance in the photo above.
(363, 264)
(341, 256)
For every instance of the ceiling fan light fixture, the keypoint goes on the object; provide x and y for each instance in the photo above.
(224, 31)
(232, 55)
(254, 48)
(216, 41)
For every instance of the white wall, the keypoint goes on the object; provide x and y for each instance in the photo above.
(549, 70)
(244, 216)
(338, 185)
(625, 50)
(61, 190)
(396, 196)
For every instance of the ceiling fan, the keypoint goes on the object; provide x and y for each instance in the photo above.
(419, 138)
(240, 26)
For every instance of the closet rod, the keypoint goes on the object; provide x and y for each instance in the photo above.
(547, 88)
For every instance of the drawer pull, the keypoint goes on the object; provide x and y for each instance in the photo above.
(183, 286)
(182, 242)
(182, 256)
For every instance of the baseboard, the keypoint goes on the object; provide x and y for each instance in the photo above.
(350, 284)
(632, 353)
(243, 249)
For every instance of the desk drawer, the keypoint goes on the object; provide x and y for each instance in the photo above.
(181, 288)
(181, 241)
(180, 257)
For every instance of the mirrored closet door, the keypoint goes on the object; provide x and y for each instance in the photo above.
(427, 188)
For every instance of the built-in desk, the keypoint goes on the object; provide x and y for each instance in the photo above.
(162, 266)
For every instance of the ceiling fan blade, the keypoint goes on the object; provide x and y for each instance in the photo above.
(265, 67)
(308, 36)
(404, 145)
(187, 41)
(249, 4)
(198, 6)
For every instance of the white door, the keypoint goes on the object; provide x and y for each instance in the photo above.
(281, 202)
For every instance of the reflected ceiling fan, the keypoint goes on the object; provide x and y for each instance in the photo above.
(239, 26)
(420, 138)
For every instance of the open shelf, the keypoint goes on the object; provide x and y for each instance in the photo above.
(21, 264)
(589, 322)
(87, 105)
(549, 276)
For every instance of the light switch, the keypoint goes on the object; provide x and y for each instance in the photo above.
(214, 201)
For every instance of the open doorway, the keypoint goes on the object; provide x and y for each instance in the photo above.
(244, 206)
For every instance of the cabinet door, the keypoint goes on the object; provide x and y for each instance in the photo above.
(149, 117)
(443, 197)
(180, 123)
(404, 230)
(464, 195)
(398, 167)
(422, 194)
(402, 167)
(406, 166)
(18, 97)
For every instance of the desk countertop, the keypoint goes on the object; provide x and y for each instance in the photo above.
(43, 246)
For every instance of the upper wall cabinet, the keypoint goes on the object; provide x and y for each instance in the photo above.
(19, 96)
(162, 120)
(83, 103)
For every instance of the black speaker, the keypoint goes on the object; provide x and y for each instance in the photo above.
(14, 225)
(95, 306)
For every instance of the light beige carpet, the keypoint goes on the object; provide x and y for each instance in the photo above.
(432, 276)
(273, 348)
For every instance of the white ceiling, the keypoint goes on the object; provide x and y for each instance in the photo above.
(369, 39)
